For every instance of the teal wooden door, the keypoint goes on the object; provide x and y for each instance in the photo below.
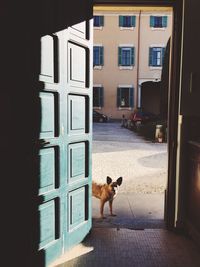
(65, 140)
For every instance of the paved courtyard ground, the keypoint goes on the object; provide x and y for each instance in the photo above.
(119, 152)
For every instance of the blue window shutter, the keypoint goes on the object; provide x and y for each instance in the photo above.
(121, 21)
(154, 57)
(151, 21)
(132, 56)
(119, 56)
(94, 57)
(118, 96)
(95, 21)
(133, 21)
(131, 97)
(101, 18)
(150, 56)
(164, 21)
(101, 96)
(101, 55)
(163, 54)
(98, 96)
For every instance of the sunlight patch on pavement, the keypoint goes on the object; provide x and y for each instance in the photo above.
(75, 252)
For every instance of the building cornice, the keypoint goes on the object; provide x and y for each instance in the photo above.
(130, 8)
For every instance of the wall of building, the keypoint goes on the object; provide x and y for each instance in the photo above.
(152, 37)
(110, 36)
(111, 76)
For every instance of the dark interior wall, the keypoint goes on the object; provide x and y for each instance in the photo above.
(193, 195)
(189, 196)
(19, 120)
(190, 92)
(22, 25)
(189, 188)
(189, 201)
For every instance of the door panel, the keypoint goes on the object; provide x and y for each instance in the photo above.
(76, 208)
(47, 62)
(79, 215)
(50, 234)
(79, 29)
(49, 50)
(47, 115)
(47, 177)
(76, 162)
(64, 187)
(47, 221)
(77, 59)
(77, 114)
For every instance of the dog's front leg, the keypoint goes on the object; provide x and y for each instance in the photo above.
(110, 205)
(102, 202)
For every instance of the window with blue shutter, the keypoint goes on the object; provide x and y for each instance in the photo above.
(101, 52)
(126, 56)
(98, 56)
(164, 21)
(127, 21)
(118, 96)
(119, 56)
(125, 97)
(131, 97)
(132, 56)
(151, 21)
(98, 21)
(158, 21)
(98, 97)
(156, 56)
(101, 96)
(150, 56)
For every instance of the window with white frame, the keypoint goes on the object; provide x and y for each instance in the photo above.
(98, 96)
(126, 56)
(125, 97)
(98, 56)
(158, 21)
(127, 21)
(156, 56)
(98, 21)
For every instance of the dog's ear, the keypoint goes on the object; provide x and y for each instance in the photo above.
(109, 180)
(119, 181)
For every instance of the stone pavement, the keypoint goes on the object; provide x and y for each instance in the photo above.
(133, 210)
(118, 152)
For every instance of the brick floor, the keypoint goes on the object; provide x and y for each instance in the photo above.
(112, 247)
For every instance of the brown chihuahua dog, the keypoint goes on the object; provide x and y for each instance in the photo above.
(106, 192)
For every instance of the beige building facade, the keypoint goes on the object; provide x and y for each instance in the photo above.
(129, 45)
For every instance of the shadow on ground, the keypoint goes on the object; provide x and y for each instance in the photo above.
(115, 247)
(134, 211)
